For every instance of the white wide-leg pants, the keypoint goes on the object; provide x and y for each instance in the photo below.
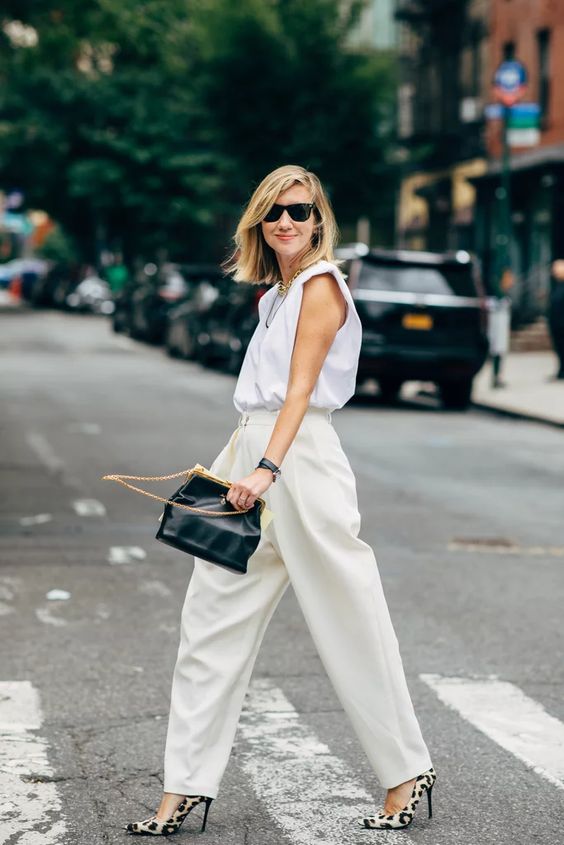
(312, 541)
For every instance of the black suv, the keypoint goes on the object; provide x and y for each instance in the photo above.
(424, 318)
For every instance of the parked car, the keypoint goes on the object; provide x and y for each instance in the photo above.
(92, 295)
(424, 318)
(185, 320)
(152, 298)
(228, 325)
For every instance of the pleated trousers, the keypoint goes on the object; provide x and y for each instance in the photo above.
(313, 543)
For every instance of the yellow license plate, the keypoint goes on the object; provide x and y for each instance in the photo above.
(417, 321)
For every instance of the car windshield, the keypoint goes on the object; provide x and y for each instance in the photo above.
(418, 278)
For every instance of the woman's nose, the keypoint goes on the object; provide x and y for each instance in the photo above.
(285, 220)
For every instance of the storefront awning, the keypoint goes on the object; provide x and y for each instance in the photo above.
(540, 158)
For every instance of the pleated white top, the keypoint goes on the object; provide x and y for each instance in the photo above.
(265, 371)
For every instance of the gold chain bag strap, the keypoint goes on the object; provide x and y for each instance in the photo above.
(196, 518)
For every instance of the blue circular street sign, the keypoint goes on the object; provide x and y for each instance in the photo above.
(510, 82)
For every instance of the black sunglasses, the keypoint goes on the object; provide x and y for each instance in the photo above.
(298, 211)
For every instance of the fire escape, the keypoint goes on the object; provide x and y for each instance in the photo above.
(436, 129)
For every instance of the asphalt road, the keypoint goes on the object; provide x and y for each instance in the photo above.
(464, 511)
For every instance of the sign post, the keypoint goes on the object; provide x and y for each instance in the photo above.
(509, 85)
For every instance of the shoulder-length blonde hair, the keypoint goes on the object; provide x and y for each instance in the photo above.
(253, 260)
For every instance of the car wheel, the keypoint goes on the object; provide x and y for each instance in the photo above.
(456, 395)
(389, 388)
(118, 322)
(170, 346)
(188, 345)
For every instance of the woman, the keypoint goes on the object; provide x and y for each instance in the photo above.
(300, 366)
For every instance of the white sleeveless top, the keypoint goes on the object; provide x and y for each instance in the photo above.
(265, 371)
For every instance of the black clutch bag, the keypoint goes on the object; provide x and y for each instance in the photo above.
(199, 520)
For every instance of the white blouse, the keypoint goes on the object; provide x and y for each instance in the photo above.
(265, 371)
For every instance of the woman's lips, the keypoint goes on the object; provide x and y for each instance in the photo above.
(285, 237)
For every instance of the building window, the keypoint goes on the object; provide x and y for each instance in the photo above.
(543, 54)
(508, 51)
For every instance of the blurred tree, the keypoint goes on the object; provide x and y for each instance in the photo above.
(283, 87)
(145, 126)
(58, 247)
(99, 124)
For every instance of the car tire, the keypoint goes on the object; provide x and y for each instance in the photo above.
(456, 395)
(389, 388)
(171, 348)
(188, 346)
(119, 324)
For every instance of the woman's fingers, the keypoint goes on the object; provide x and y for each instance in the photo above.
(240, 498)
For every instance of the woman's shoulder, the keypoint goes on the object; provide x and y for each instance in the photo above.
(321, 268)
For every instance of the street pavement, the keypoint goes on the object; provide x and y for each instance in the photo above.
(464, 511)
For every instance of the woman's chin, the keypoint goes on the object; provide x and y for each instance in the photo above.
(288, 250)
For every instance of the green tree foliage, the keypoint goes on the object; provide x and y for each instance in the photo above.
(146, 124)
(283, 89)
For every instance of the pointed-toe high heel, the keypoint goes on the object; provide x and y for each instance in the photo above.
(157, 827)
(423, 783)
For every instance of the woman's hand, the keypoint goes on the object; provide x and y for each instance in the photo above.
(243, 494)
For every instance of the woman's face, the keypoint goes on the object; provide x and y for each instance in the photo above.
(287, 237)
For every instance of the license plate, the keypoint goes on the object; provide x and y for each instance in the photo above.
(417, 321)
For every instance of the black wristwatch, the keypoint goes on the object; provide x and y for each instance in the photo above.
(276, 471)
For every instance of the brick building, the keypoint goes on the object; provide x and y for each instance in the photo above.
(449, 196)
(531, 31)
(444, 72)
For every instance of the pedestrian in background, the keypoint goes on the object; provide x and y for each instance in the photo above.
(300, 367)
(556, 313)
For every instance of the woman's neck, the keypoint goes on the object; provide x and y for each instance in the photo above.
(288, 265)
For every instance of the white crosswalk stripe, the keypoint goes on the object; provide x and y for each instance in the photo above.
(513, 720)
(28, 805)
(309, 793)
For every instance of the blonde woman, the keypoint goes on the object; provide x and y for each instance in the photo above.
(300, 366)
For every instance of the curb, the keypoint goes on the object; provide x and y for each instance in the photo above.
(518, 415)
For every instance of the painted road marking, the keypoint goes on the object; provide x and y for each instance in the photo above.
(58, 595)
(84, 428)
(309, 793)
(505, 714)
(50, 460)
(89, 507)
(44, 452)
(44, 615)
(154, 588)
(37, 519)
(29, 803)
(126, 554)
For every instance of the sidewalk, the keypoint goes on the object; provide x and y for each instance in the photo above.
(528, 392)
(9, 302)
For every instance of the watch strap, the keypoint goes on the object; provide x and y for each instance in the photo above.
(276, 471)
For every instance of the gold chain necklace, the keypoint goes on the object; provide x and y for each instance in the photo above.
(282, 290)
(284, 287)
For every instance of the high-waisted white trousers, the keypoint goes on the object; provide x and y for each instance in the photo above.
(312, 541)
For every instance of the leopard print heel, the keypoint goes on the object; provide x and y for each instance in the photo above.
(423, 783)
(155, 827)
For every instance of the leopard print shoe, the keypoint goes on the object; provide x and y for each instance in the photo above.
(156, 827)
(423, 783)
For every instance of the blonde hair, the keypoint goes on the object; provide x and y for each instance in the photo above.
(253, 260)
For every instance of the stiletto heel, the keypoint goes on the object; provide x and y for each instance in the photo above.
(208, 805)
(423, 783)
(429, 801)
(155, 827)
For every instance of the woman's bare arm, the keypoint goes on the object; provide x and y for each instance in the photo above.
(322, 313)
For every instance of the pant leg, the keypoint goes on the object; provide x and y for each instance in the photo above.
(336, 580)
(223, 621)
